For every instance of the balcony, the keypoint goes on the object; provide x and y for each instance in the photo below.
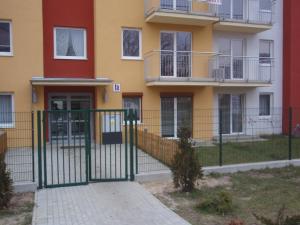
(183, 68)
(183, 12)
(249, 16)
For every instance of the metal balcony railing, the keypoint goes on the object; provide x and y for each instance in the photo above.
(179, 6)
(160, 65)
(177, 65)
(247, 11)
(225, 68)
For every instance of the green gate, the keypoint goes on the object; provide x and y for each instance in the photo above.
(76, 147)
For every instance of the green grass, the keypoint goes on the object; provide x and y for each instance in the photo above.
(262, 192)
(271, 149)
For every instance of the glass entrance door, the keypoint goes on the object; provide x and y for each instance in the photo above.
(232, 107)
(66, 119)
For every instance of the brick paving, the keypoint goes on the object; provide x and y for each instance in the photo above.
(118, 203)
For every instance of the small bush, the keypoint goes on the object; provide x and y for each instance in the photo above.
(6, 189)
(220, 203)
(185, 166)
(281, 219)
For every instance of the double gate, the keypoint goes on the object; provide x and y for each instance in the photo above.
(76, 147)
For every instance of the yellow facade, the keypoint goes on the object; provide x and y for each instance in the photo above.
(17, 70)
(110, 18)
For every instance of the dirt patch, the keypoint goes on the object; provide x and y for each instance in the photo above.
(211, 182)
(19, 211)
(163, 190)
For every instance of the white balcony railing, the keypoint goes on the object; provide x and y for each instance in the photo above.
(180, 6)
(247, 11)
(242, 69)
(206, 67)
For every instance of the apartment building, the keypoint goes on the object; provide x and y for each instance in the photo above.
(172, 57)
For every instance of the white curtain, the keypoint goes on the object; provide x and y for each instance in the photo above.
(62, 38)
(78, 42)
(69, 42)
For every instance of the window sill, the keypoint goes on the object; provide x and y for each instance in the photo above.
(70, 58)
(6, 54)
(5, 126)
(265, 117)
(132, 58)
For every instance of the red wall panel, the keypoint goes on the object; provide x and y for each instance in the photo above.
(291, 71)
(68, 13)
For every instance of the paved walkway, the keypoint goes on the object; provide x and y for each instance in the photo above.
(121, 203)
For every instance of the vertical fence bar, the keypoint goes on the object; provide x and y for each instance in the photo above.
(290, 132)
(33, 146)
(131, 144)
(136, 143)
(44, 147)
(88, 160)
(126, 145)
(40, 180)
(220, 138)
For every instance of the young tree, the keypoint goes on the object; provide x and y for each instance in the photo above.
(185, 166)
(6, 189)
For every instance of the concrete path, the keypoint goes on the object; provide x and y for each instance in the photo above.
(120, 203)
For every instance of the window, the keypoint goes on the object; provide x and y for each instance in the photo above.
(135, 103)
(131, 44)
(6, 111)
(5, 38)
(69, 43)
(265, 105)
(176, 112)
(175, 56)
(265, 51)
(265, 5)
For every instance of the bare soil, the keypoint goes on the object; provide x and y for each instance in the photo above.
(19, 211)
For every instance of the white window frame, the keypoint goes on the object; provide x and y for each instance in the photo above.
(271, 105)
(271, 51)
(140, 111)
(175, 101)
(175, 52)
(12, 124)
(84, 57)
(10, 39)
(140, 44)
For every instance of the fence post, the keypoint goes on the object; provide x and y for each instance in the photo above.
(40, 181)
(136, 143)
(45, 146)
(32, 146)
(131, 117)
(220, 138)
(290, 132)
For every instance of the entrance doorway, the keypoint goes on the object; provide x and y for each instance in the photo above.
(68, 125)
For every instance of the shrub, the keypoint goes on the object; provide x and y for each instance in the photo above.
(6, 190)
(185, 166)
(281, 219)
(221, 203)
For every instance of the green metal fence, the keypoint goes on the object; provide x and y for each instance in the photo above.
(20, 154)
(76, 147)
(258, 138)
